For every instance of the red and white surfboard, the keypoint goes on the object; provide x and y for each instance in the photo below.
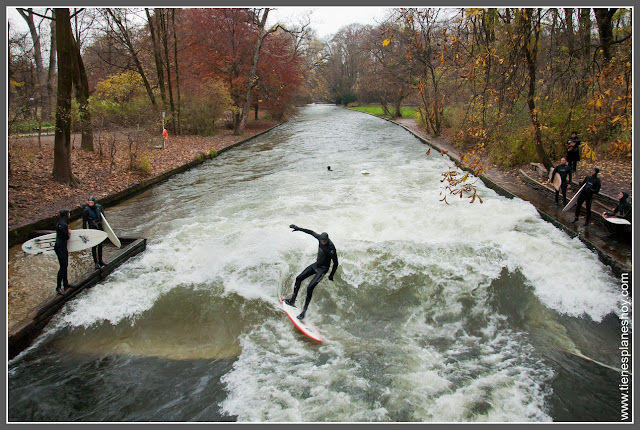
(303, 326)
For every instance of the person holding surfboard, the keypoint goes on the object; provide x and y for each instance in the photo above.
(91, 218)
(623, 208)
(63, 232)
(592, 186)
(573, 152)
(622, 211)
(326, 254)
(563, 170)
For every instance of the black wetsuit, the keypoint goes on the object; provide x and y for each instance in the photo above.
(564, 171)
(91, 219)
(573, 154)
(60, 248)
(592, 187)
(326, 254)
(622, 210)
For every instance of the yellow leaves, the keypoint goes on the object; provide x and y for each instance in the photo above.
(588, 152)
(620, 147)
(387, 41)
(596, 101)
(16, 84)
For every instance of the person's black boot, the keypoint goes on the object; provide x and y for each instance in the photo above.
(290, 302)
(301, 316)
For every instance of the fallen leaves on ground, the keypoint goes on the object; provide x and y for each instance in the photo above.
(33, 195)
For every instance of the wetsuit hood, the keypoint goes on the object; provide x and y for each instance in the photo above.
(63, 213)
(324, 236)
(625, 196)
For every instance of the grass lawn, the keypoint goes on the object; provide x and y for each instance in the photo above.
(407, 112)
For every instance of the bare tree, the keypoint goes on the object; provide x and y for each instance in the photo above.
(28, 15)
(260, 19)
(118, 22)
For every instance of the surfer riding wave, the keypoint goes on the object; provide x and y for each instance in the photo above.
(326, 254)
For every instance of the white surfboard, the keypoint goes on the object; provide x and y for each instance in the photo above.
(555, 180)
(110, 234)
(616, 220)
(574, 200)
(303, 326)
(78, 240)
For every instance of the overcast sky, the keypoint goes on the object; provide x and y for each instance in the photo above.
(328, 20)
(325, 20)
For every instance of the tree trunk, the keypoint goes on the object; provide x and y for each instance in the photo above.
(62, 143)
(165, 42)
(37, 54)
(568, 29)
(51, 75)
(584, 26)
(253, 76)
(157, 55)
(175, 58)
(605, 30)
(81, 84)
(531, 34)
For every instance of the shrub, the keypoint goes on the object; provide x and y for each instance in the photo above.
(143, 163)
(203, 106)
(213, 153)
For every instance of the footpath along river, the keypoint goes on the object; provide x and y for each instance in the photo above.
(446, 313)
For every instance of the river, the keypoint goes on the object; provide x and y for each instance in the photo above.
(438, 312)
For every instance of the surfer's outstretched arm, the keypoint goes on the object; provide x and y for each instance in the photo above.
(304, 230)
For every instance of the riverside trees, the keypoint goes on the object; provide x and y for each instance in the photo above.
(194, 64)
(512, 82)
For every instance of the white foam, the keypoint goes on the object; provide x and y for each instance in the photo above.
(393, 235)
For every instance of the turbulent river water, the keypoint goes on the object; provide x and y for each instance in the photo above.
(438, 312)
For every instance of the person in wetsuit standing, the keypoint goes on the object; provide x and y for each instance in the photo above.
(563, 170)
(91, 219)
(63, 232)
(326, 254)
(592, 186)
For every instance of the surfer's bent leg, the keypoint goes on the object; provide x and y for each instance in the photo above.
(311, 286)
(301, 277)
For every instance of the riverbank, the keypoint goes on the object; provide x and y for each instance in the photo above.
(34, 202)
(34, 199)
(37, 196)
(527, 186)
